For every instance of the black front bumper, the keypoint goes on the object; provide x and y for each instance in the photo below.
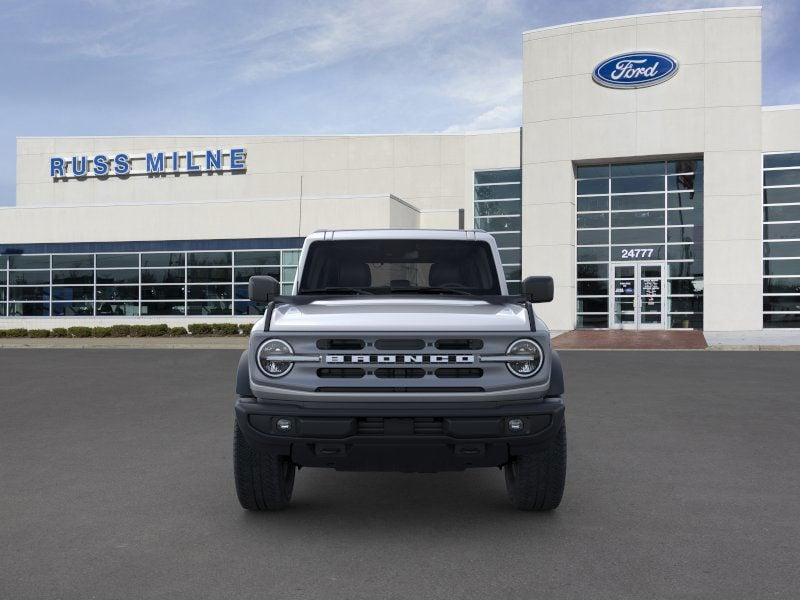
(399, 436)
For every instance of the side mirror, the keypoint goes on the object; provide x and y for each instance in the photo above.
(262, 288)
(538, 289)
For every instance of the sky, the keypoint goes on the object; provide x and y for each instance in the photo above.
(161, 67)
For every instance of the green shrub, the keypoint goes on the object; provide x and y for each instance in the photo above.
(2, 333)
(101, 332)
(16, 332)
(80, 332)
(177, 331)
(138, 330)
(200, 329)
(157, 330)
(38, 333)
(225, 329)
(245, 328)
(120, 330)
(60, 332)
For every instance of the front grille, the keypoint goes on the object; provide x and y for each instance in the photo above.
(423, 359)
(428, 426)
(370, 426)
(399, 373)
(403, 426)
(459, 344)
(343, 373)
(340, 344)
(400, 344)
(466, 373)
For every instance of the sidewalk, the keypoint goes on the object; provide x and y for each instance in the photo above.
(153, 343)
(766, 339)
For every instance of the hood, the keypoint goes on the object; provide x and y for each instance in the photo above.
(400, 314)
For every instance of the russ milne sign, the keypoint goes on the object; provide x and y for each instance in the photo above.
(151, 163)
(635, 70)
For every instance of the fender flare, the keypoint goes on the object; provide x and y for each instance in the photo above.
(556, 377)
(243, 377)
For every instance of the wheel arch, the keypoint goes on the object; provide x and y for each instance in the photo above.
(243, 377)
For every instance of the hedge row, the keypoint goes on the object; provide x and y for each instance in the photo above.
(161, 330)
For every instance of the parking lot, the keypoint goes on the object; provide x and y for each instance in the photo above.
(116, 482)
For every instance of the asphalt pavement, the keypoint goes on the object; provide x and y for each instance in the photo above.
(116, 482)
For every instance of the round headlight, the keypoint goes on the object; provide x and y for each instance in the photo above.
(534, 358)
(269, 366)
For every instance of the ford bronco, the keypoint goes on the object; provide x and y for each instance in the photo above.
(400, 350)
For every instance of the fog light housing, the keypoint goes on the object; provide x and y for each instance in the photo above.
(284, 425)
(515, 424)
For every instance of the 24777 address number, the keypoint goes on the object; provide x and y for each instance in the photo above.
(637, 252)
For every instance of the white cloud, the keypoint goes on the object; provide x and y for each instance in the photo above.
(497, 117)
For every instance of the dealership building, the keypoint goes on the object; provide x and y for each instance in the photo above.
(646, 177)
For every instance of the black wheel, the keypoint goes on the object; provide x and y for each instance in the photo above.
(536, 481)
(263, 481)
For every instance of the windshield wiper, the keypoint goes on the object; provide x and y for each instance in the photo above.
(337, 290)
(432, 290)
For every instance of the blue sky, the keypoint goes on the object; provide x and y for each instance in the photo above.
(102, 67)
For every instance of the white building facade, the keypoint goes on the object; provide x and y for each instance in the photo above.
(656, 190)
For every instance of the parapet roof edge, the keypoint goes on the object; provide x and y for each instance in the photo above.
(652, 14)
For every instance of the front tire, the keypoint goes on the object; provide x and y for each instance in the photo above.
(263, 481)
(536, 481)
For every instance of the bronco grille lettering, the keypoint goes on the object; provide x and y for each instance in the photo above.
(399, 358)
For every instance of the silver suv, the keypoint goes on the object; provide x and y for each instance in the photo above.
(400, 350)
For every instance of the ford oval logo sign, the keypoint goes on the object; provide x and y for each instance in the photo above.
(635, 70)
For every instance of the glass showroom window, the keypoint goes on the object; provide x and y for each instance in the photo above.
(129, 284)
(782, 240)
(498, 210)
(640, 212)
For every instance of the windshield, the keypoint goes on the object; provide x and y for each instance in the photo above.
(459, 267)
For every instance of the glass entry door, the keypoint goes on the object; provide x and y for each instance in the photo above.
(637, 295)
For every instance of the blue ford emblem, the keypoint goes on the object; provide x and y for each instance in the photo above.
(635, 70)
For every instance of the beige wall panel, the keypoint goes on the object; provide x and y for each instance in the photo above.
(781, 130)
(544, 58)
(732, 174)
(733, 128)
(492, 151)
(549, 140)
(607, 136)
(732, 218)
(619, 36)
(733, 84)
(549, 224)
(370, 152)
(274, 157)
(439, 219)
(547, 99)
(325, 183)
(452, 148)
(548, 183)
(590, 99)
(370, 181)
(732, 307)
(683, 36)
(684, 90)
(666, 132)
(325, 154)
(402, 215)
(412, 182)
(417, 150)
(733, 39)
